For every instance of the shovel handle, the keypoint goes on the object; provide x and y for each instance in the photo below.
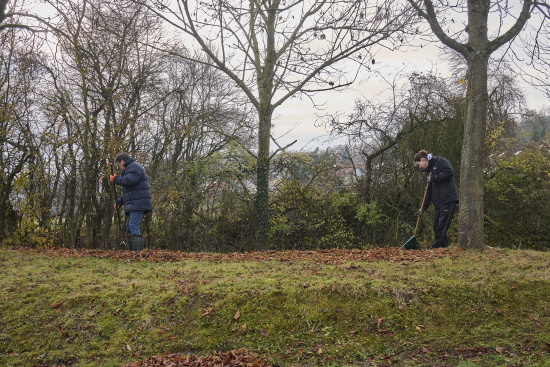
(422, 205)
(122, 240)
(114, 186)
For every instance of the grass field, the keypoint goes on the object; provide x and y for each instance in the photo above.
(464, 308)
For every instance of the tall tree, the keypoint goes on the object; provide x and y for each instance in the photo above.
(105, 80)
(275, 49)
(476, 47)
(19, 139)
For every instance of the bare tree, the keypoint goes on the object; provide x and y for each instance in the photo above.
(104, 81)
(274, 50)
(376, 128)
(201, 115)
(537, 46)
(21, 132)
(473, 42)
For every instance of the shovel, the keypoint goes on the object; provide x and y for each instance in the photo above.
(120, 233)
(412, 243)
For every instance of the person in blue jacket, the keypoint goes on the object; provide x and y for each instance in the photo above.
(441, 191)
(136, 197)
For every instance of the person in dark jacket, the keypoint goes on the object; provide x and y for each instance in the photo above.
(441, 192)
(136, 197)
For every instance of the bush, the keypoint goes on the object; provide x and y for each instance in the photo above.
(307, 218)
(516, 201)
(32, 235)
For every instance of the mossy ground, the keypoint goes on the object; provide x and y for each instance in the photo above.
(486, 308)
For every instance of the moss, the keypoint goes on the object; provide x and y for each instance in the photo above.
(481, 308)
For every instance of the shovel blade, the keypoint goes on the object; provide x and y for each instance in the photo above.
(411, 244)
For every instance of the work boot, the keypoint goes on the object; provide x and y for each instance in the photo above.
(129, 242)
(137, 242)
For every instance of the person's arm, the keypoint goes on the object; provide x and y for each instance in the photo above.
(131, 178)
(445, 172)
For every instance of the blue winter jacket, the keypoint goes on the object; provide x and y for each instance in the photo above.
(136, 193)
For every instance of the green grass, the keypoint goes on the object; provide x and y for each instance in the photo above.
(487, 308)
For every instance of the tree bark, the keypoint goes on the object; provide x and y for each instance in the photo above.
(470, 216)
(470, 234)
(261, 203)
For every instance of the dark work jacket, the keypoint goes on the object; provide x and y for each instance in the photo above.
(136, 193)
(442, 188)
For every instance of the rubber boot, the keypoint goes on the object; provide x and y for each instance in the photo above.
(137, 242)
(129, 240)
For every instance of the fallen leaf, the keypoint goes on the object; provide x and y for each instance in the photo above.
(56, 305)
(237, 315)
(206, 311)
(380, 321)
(263, 332)
(243, 329)
(332, 256)
(240, 357)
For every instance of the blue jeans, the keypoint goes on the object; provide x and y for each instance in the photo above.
(133, 219)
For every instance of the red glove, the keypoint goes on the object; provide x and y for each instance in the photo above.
(112, 178)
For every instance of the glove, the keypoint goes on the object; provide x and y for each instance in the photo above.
(431, 178)
(112, 178)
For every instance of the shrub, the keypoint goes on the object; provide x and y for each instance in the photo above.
(516, 201)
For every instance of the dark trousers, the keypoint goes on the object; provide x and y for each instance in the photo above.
(442, 220)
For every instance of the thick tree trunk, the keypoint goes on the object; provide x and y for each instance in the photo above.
(262, 184)
(470, 217)
(471, 174)
(265, 111)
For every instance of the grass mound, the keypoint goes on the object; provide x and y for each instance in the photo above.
(315, 308)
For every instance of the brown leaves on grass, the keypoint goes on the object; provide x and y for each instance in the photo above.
(242, 357)
(234, 358)
(330, 256)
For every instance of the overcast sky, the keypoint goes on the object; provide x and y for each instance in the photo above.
(295, 119)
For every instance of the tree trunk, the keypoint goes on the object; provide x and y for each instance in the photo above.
(470, 216)
(265, 84)
(471, 174)
(261, 204)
